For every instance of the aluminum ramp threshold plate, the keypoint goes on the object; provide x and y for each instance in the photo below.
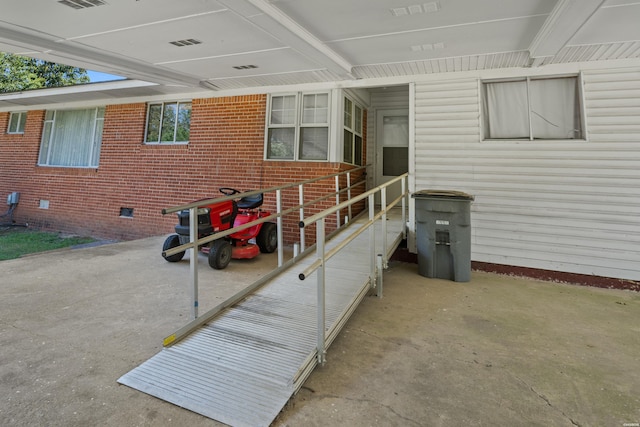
(243, 366)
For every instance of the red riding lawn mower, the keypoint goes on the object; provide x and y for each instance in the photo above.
(223, 216)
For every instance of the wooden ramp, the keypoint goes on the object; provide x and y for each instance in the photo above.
(242, 367)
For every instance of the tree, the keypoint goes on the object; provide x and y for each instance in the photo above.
(22, 73)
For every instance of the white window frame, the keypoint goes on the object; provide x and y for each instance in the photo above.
(22, 119)
(163, 105)
(531, 137)
(298, 125)
(48, 141)
(353, 125)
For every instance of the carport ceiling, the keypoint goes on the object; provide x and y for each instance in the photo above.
(244, 43)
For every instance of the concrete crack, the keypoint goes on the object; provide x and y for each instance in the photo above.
(548, 402)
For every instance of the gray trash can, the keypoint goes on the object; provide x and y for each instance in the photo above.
(443, 234)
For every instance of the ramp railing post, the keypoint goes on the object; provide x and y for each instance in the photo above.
(337, 201)
(383, 205)
(349, 193)
(279, 223)
(403, 182)
(379, 278)
(372, 240)
(193, 258)
(301, 200)
(320, 234)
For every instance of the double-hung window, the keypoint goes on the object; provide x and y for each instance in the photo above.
(168, 123)
(17, 120)
(533, 108)
(298, 127)
(72, 138)
(352, 133)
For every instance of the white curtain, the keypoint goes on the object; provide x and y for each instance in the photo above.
(552, 105)
(74, 141)
(506, 110)
(553, 109)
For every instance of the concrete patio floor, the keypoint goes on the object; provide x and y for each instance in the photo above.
(495, 351)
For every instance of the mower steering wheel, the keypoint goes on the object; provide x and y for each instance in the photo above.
(228, 191)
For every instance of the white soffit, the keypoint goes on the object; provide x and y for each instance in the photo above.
(472, 39)
(610, 25)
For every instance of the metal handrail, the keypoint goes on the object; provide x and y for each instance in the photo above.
(195, 242)
(377, 262)
(204, 202)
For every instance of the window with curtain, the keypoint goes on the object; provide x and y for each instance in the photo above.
(168, 123)
(72, 138)
(352, 133)
(533, 108)
(298, 127)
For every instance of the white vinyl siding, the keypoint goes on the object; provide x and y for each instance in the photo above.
(571, 206)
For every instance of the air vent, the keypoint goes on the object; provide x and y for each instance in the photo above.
(82, 4)
(186, 42)
(245, 67)
(416, 9)
(430, 46)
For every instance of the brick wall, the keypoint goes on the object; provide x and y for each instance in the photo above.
(225, 150)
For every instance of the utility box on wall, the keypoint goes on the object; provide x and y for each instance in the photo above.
(443, 234)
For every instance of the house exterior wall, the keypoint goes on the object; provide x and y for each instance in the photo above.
(569, 206)
(226, 149)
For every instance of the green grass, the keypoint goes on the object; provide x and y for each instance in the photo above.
(15, 242)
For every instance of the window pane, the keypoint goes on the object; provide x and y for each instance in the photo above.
(555, 112)
(348, 147)
(506, 110)
(16, 122)
(358, 151)
(348, 105)
(169, 115)
(184, 122)
(44, 146)
(153, 123)
(395, 161)
(281, 143)
(315, 108)
(314, 143)
(283, 110)
(97, 144)
(358, 119)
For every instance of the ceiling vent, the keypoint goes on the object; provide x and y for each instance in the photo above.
(430, 46)
(416, 9)
(245, 67)
(186, 42)
(82, 4)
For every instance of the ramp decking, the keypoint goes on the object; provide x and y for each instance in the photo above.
(242, 367)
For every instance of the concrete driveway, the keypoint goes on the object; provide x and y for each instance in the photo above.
(495, 351)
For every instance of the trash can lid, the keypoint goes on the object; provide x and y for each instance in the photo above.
(442, 194)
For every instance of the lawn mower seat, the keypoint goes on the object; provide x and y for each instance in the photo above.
(250, 202)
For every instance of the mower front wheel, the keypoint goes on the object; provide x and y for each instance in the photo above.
(171, 242)
(267, 239)
(219, 254)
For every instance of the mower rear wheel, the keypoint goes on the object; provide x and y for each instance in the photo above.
(219, 254)
(267, 239)
(171, 242)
